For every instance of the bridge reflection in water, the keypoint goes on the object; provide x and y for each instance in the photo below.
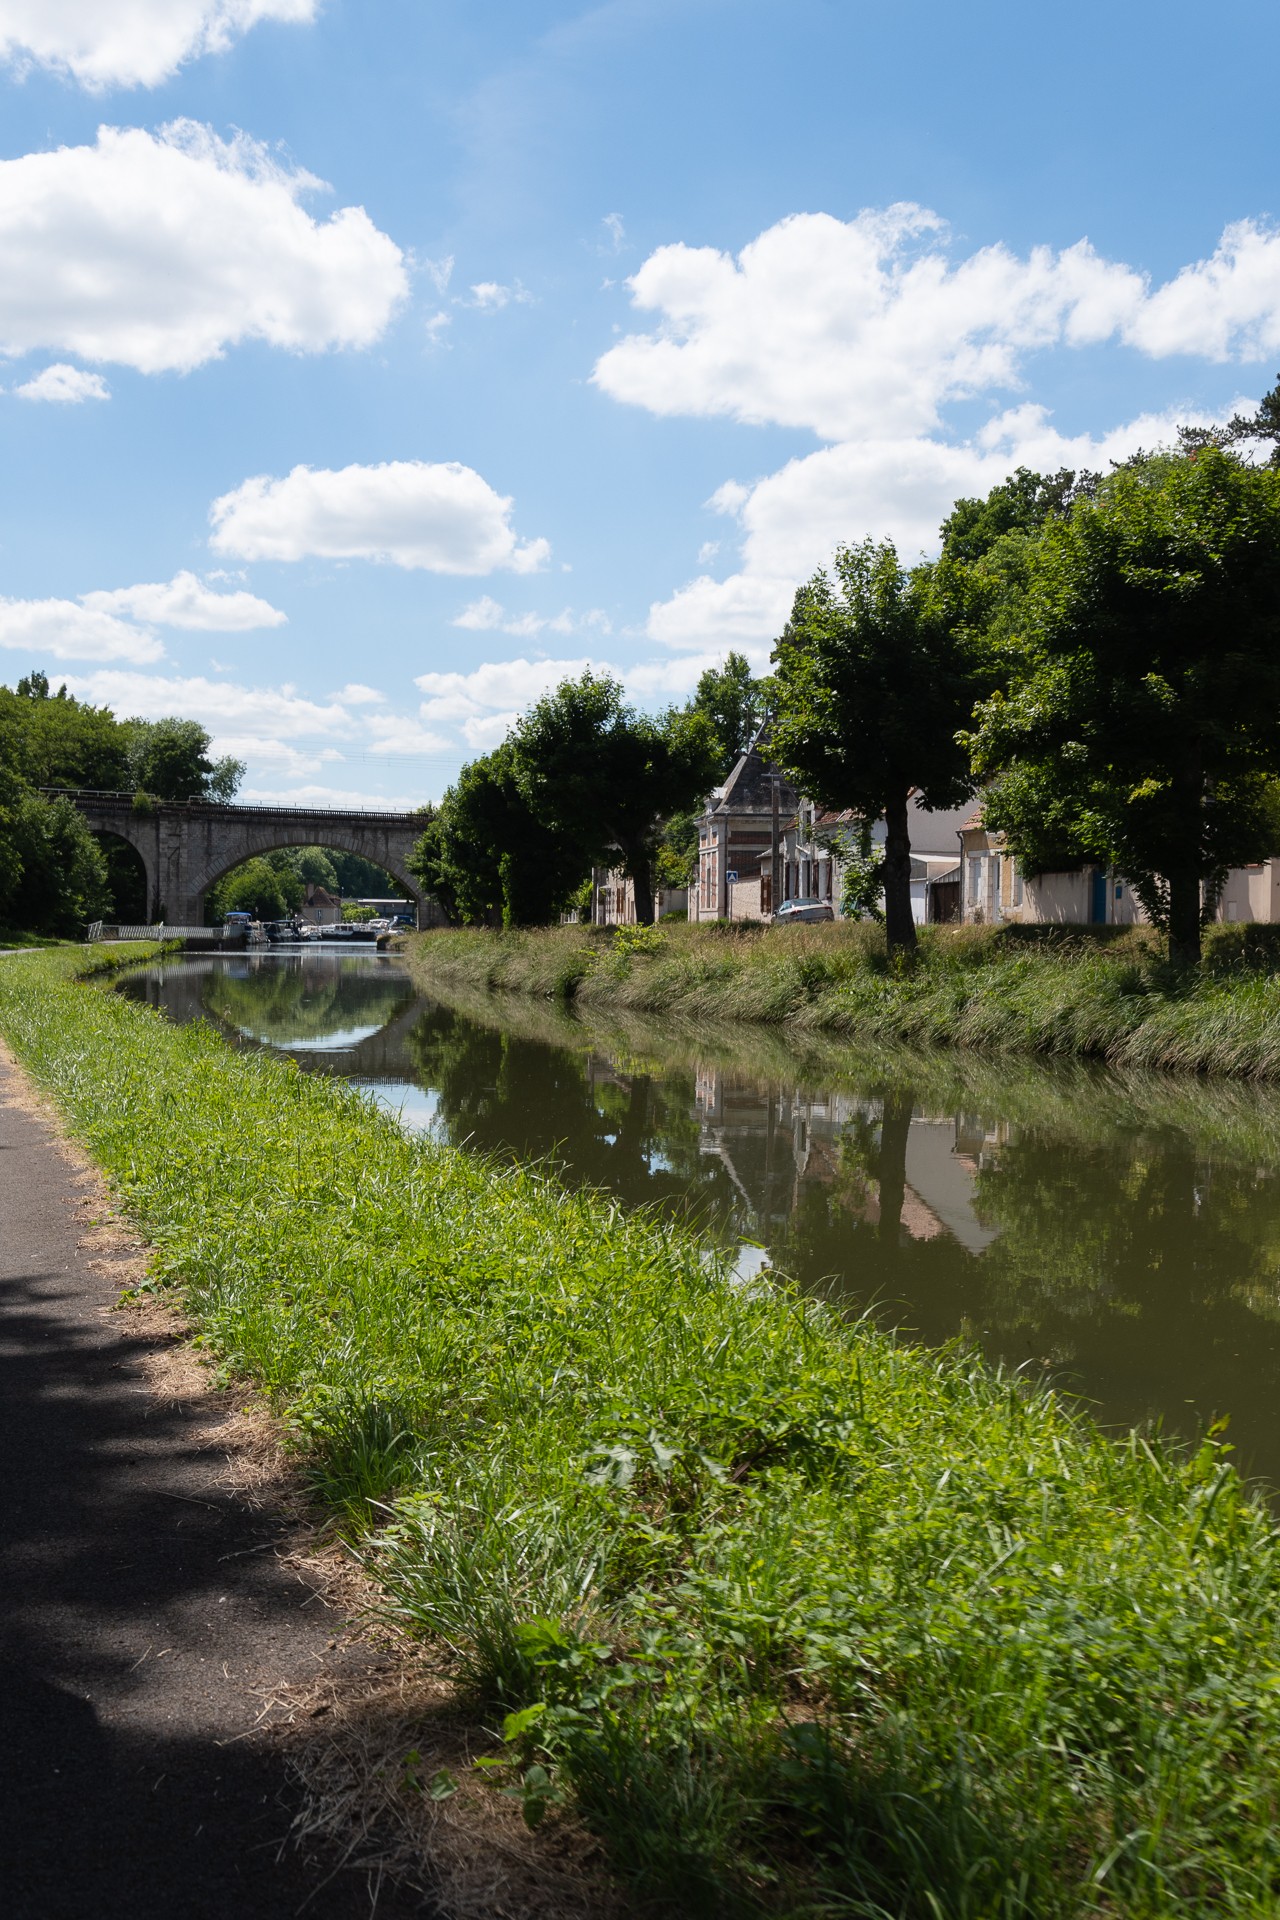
(1123, 1233)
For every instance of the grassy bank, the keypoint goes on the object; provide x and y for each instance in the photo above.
(801, 1621)
(984, 988)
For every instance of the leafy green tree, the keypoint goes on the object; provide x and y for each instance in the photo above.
(53, 740)
(1020, 504)
(53, 874)
(357, 876)
(1142, 728)
(169, 759)
(312, 865)
(488, 859)
(733, 700)
(605, 777)
(876, 673)
(256, 888)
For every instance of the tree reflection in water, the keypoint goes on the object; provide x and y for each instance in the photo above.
(1123, 1231)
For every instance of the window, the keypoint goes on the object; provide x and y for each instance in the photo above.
(975, 881)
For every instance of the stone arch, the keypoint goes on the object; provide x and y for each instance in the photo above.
(260, 839)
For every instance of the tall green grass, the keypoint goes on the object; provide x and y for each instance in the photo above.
(802, 1621)
(1045, 991)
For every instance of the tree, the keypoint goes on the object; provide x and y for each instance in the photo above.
(1142, 728)
(53, 740)
(733, 701)
(256, 888)
(53, 876)
(875, 675)
(1020, 504)
(169, 759)
(488, 858)
(605, 777)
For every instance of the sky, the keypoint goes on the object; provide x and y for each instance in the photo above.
(368, 366)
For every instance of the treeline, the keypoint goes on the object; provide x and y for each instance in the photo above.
(1098, 654)
(585, 780)
(273, 885)
(55, 874)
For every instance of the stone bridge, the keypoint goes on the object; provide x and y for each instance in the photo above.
(187, 845)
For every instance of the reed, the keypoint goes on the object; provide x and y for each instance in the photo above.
(801, 1620)
(1047, 991)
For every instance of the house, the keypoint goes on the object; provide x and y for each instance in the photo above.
(321, 909)
(737, 832)
(613, 898)
(995, 892)
(811, 866)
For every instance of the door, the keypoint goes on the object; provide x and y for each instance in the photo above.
(1098, 896)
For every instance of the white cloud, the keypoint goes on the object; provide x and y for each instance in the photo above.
(487, 615)
(348, 799)
(356, 694)
(394, 733)
(490, 296)
(442, 517)
(485, 703)
(68, 385)
(129, 43)
(229, 710)
(901, 489)
(616, 230)
(158, 251)
(869, 327)
(189, 603)
(64, 630)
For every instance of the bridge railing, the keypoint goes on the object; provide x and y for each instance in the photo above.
(106, 796)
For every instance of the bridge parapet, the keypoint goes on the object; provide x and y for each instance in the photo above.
(187, 845)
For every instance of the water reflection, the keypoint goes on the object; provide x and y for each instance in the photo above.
(1124, 1232)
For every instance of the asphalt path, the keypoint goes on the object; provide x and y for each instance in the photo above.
(145, 1608)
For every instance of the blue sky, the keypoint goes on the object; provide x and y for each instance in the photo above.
(380, 362)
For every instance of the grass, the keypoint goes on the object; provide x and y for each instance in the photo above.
(1045, 991)
(801, 1621)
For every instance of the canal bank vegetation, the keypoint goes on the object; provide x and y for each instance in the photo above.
(799, 1620)
(1046, 991)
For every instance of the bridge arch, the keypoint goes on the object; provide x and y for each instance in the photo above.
(262, 841)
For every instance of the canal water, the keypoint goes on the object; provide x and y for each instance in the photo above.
(1121, 1233)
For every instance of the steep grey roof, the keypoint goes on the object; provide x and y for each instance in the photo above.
(749, 788)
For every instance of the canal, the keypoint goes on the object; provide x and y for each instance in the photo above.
(1121, 1233)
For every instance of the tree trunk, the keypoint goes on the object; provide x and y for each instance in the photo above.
(1184, 917)
(1184, 884)
(895, 1126)
(899, 926)
(640, 870)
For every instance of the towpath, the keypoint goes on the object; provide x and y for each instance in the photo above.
(146, 1607)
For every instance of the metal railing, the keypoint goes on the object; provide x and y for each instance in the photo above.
(161, 930)
(233, 807)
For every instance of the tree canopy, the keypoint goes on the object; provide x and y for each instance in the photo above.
(486, 856)
(604, 776)
(169, 759)
(1141, 729)
(875, 675)
(733, 700)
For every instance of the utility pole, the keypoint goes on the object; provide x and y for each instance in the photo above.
(775, 881)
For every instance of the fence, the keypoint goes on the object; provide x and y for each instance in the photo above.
(162, 931)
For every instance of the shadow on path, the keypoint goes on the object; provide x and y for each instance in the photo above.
(143, 1612)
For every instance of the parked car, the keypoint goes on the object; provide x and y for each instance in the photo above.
(792, 910)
